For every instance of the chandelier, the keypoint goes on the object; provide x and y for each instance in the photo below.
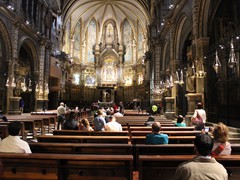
(216, 64)
(232, 57)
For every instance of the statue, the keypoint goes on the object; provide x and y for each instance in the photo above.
(190, 79)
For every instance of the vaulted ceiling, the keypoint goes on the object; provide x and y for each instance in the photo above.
(102, 10)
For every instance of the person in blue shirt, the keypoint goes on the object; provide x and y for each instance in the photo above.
(156, 137)
(180, 121)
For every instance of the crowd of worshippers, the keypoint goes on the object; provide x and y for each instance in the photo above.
(207, 145)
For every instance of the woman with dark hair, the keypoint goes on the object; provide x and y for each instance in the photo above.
(199, 117)
(180, 121)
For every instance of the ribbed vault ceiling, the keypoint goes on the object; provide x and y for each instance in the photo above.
(103, 10)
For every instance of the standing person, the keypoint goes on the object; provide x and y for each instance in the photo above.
(199, 117)
(71, 123)
(115, 107)
(156, 137)
(112, 125)
(21, 105)
(203, 166)
(99, 121)
(122, 108)
(13, 143)
(60, 115)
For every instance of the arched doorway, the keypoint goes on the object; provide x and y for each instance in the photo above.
(25, 77)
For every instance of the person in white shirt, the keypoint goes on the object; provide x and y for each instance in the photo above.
(199, 117)
(60, 115)
(118, 114)
(13, 143)
(112, 125)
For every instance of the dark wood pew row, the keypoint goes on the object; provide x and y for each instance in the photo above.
(122, 133)
(175, 139)
(31, 123)
(83, 139)
(4, 130)
(90, 133)
(164, 166)
(148, 128)
(170, 149)
(66, 166)
(81, 148)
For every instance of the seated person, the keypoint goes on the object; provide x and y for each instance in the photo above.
(71, 123)
(180, 121)
(156, 137)
(85, 126)
(99, 121)
(118, 114)
(150, 121)
(13, 143)
(220, 135)
(202, 166)
(112, 125)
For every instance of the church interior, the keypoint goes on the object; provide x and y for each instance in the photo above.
(138, 53)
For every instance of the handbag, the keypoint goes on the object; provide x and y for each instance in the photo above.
(197, 120)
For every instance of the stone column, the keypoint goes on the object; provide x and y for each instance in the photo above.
(170, 108)
(13, 102)
(41, 85)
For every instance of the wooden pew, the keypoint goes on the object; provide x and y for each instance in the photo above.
(164, 166)
(83, 139)
(66, 166)
(172, 139)
(169, 133)
(80, 148)
(90, 133)
(3, 131)
(176, 139)
(148, 128)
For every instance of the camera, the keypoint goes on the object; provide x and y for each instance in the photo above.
(206, 129)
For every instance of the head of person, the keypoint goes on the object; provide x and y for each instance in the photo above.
(4, 118)
(14, 128)
(156, 127)
(61, 104)
(85, 122)
(72, 115)
(112, 118)
(180, 119)
(220, 133)
(99, 112)
(203, 144)
(199, 105)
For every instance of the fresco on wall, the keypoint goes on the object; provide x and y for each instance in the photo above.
(67, 38)
(92, 30)
(127, 41)
(77, 41)
(140, 42)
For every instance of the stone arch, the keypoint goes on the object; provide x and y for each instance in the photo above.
(182, 30)
(28, 57)
(5, 60)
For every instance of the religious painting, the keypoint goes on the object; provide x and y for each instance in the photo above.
(77, 40)
(127, 41)
(92, 37)
(140, 42)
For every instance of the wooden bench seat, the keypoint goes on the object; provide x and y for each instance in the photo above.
(90, 133)
(148, 128)
(164, 166)
(80, 148)
(83, 139)
(66, 166)
(169, 133)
